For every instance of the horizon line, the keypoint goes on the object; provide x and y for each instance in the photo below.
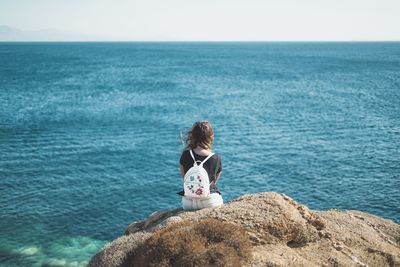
(198, 41)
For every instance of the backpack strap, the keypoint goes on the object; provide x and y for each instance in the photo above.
(201, 164)
(209, 156)
(191, 154)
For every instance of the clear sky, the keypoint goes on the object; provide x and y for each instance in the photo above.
(207, 20)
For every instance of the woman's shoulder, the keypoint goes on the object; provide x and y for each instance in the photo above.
(216, 157)
(186, 153)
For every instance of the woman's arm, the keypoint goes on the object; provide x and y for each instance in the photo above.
(219, 170)
(217, 176)
(182, 170)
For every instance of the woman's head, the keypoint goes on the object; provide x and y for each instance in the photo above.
(201, 135)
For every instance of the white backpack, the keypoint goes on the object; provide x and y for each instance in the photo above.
(196, 182)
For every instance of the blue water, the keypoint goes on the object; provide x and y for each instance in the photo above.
(89, 133)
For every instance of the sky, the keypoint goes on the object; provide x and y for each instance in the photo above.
(209, 20)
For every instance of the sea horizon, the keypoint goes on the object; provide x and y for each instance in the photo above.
(207, 41)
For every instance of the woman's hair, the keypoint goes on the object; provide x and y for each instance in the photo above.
(201, 135)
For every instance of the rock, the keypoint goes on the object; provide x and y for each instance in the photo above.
(282, 231)
(155, 221)
(119, 251)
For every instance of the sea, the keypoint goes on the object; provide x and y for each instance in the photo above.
(90, 133)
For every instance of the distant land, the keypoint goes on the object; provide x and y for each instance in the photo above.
(9, 34)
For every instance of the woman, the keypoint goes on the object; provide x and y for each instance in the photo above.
(199, 141)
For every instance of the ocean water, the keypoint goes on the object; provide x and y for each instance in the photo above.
(90, 133)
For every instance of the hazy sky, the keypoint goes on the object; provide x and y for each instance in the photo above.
(209, 19)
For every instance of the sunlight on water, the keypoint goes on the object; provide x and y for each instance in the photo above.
(90, 133)
(70, 251)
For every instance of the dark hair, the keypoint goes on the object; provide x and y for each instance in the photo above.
(201, 135)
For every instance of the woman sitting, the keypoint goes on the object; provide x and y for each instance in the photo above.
(200, 169)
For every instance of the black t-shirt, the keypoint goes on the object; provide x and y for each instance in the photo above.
(213, 165)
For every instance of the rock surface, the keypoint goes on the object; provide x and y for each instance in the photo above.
(283, 233)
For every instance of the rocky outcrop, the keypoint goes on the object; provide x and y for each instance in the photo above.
(282, 231)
